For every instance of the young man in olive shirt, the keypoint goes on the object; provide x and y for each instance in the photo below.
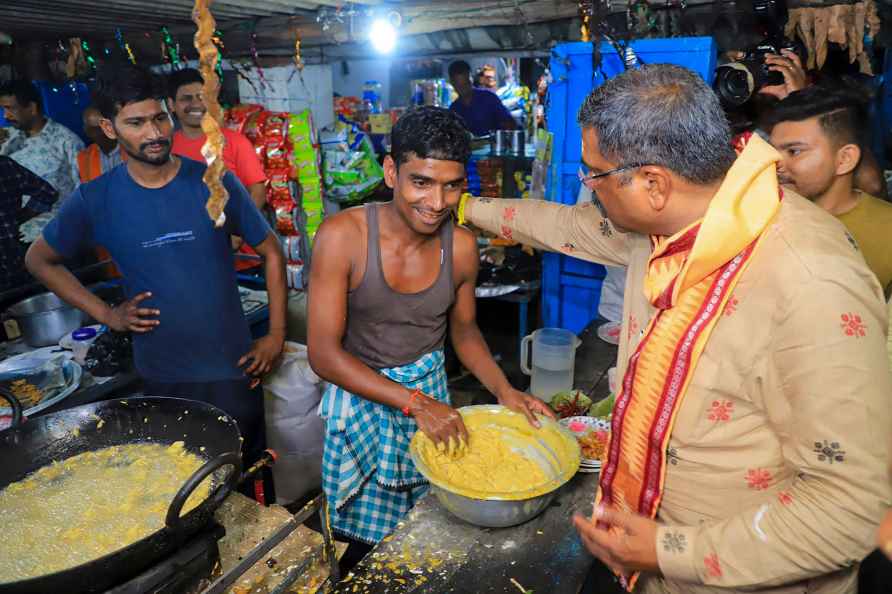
(819, 133)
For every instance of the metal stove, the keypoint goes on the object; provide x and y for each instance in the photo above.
(192, 565)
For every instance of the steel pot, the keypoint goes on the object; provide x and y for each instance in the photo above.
(44, 319)
(518, 142)
(508, 142)
(499, 142)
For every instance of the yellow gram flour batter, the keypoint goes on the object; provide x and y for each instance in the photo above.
(506, 458)
(92, 504)
(489, 464)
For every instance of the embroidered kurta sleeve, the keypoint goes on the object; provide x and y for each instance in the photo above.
(889, 345)
(578, 231)
(827, 392)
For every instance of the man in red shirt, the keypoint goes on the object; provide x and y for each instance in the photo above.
(187, 103)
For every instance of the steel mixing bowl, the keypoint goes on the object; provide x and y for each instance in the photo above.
(499, 510)
(492, 513)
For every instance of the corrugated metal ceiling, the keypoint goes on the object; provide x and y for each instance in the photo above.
(269, 27)
(99, 18)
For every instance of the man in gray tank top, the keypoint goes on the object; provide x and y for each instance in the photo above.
(386, 281)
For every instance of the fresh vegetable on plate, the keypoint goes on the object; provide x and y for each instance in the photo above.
(602, 408)
(572, 403)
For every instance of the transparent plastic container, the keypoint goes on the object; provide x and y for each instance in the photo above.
(553, 361)
(81, 341)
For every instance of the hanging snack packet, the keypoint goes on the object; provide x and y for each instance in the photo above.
(253, 127)
(275, 140)
(278, 189)
(237, 116)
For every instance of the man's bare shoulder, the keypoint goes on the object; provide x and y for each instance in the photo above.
(464, 242)
(465, 259)
(345, 225)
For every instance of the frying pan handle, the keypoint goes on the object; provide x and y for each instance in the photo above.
(179, 500)
(16, 407)
(268, 458)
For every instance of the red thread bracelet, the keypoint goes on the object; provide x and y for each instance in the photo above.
(416, 393)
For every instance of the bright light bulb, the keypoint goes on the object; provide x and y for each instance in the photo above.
(383, 36)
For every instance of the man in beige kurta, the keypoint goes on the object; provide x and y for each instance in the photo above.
(777, 470)
(890, 334)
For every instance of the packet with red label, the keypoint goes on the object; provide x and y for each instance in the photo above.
(238, 116)
(275, 140)
(278, 187)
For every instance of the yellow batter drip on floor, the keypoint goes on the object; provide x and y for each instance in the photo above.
(89, 505)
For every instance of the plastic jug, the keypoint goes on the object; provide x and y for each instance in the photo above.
(554, 356)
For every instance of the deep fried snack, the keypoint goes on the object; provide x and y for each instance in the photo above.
(26, 392)
(212, 122)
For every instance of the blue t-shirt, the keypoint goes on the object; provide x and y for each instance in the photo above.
(485, 114)
(163, 241)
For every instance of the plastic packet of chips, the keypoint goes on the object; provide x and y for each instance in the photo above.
(275, 140)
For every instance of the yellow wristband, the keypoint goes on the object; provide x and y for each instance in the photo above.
(461, 207)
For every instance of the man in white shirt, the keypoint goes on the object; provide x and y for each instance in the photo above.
(39, 144)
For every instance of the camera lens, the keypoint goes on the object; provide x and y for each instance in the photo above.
(734, 84)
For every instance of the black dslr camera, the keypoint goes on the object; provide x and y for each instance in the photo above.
(736, 82)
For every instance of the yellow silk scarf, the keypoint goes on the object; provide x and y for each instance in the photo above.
(689, 279)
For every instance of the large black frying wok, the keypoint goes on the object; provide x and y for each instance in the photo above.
(39, 441)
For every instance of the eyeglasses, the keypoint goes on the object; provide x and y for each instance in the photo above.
(589, 180)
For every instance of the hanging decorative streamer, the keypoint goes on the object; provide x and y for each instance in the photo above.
(585, 14)
(298, 59)
(241, 70)
(164, 57)
(61, 52)
(256, 57)
(169, 48)
(640, 18)
(125, 46)
(88, 55)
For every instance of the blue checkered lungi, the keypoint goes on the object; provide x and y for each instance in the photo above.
(368, 478)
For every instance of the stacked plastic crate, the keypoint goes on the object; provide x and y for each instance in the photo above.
(571, 288)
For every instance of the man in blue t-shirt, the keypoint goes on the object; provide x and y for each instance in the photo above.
(481, 109)
(190, 336)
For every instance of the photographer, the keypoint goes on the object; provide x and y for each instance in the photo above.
(868, 176)
(789, 65)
